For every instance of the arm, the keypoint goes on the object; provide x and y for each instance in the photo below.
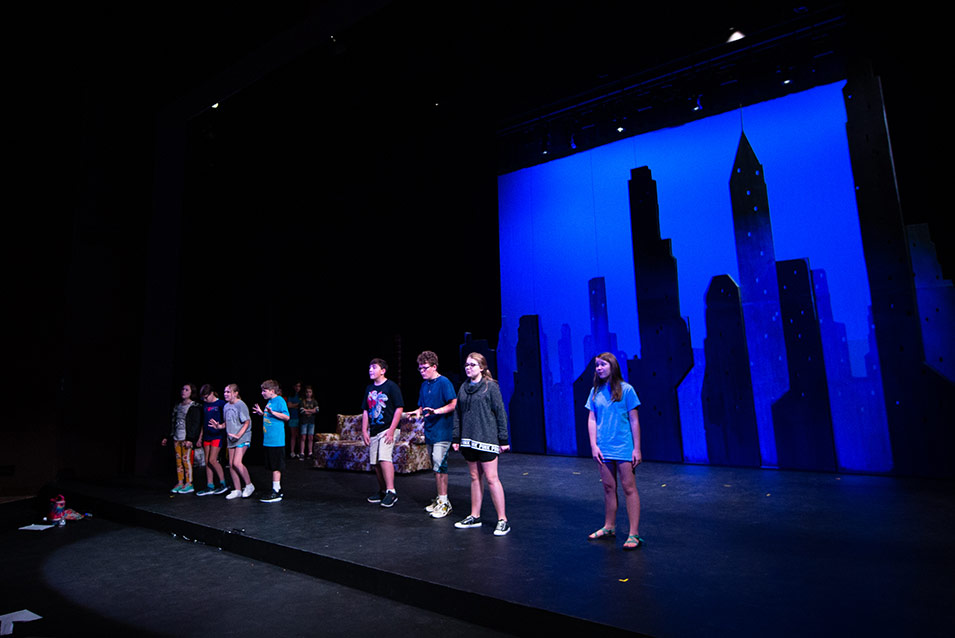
(242, 430)
(592, 431)
(390, 434)
(497, 403)
(448, 408)
(281, 416)
(456, 429)
(635, 431)
(364, 428)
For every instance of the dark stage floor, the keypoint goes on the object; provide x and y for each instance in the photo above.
(729, 552)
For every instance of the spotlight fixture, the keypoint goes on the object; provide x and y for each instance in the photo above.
(216, 105)
(735, 34)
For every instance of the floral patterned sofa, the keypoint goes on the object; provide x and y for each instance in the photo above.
(344, 449)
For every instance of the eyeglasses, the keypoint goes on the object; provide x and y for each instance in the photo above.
(470, 365)
(423, 368)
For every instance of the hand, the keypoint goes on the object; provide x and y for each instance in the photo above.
(258, 409)
(233, 436)
(505, 448)
(390, 437)
(455, 446)
(188, 445)
(597, 454)
(428, 411)
(163, 443)
(366, 438)
(637, 458)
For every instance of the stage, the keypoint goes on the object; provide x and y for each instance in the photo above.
(729, 552)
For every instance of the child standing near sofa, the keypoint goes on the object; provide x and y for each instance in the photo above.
(381, 413)
(307, 412)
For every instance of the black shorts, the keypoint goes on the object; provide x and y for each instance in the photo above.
(474, 456)
(274, 459)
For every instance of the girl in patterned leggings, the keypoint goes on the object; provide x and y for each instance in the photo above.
(186, 425)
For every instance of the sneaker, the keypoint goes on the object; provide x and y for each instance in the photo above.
(441, 509)
(432, 505)
(248, 490)
(189, 489)
(233, 494)
(376, 498)
(389, 499)
(469, 522)
(274, 497)
(206, 492)
(177, 489)
(221, 490)
(502, 529)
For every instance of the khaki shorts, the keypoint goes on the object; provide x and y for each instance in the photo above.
(380, 449)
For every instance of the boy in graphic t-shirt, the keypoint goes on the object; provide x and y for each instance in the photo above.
(380, 416)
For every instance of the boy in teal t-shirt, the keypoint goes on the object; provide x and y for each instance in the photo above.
(274, 417)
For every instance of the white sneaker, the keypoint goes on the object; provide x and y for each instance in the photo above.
(432, 505)
(248, 490)
(233, 494)
(441, 510)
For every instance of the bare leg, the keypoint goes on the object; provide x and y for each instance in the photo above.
(387, 474)
(236, 468)
(631, 497)
(610, 493)
(212, 463)
(477, 488)
(442, 483)
(495, 487)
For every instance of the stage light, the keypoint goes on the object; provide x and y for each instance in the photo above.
(216, 105)
(735, 35)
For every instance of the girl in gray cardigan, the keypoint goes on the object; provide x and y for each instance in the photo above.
(480, 433)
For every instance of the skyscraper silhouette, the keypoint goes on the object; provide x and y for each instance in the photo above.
(665, 351)
(756, 259)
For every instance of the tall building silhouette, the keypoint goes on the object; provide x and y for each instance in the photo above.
(918, 399)
(599, 340)
(802, 419)
(756, 259)
(858, 412)
(526, 407)
(561, 437)
(729, 412)
(936, 302)
(666, 355)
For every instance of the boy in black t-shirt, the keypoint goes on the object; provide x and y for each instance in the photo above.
(380, 416)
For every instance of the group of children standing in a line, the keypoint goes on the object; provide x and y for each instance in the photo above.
(472, 421)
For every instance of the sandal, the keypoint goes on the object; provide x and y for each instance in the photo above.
(603, 532)
(633, 542)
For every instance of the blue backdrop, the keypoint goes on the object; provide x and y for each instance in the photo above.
(565, 231)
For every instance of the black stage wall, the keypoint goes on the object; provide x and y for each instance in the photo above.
(141, 239)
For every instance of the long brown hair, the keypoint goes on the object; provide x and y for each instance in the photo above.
(616, 378)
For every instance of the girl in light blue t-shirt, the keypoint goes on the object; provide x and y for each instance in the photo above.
(614, 430)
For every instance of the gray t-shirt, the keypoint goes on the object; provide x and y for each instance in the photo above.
(235, 415)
